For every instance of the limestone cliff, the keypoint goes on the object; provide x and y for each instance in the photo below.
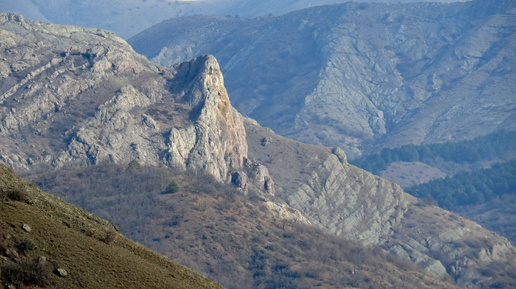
(76, 96)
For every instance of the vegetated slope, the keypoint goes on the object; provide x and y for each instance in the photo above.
(498, 215)
(129, 17)
(469, 188)
(45, 242)
(76, 97)
(362, 76)
(239, 241)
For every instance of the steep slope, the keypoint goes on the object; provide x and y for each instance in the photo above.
(239, 241)
(360, 76)
(85, 97)
(49, 243)
(350, 202)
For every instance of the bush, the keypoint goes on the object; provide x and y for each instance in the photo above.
(28, 272)
(25, 245)
(109, 237)
(14, 194)
(173, 187)
(133, 165)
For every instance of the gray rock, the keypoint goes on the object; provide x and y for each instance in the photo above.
(349, 202)
(99, 101)
(61, 272)
(26, 228)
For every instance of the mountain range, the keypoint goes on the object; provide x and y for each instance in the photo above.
(75, 98)
(127, 18)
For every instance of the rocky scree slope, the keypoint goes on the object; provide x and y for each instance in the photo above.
(73, 97)
(46, 242)
(362, 76)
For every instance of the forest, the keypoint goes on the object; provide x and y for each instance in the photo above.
(469, 188)
(496, 146)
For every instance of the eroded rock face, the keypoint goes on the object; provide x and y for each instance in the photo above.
(350, 202)
(84, 105)
(353, 203)
(83, 97)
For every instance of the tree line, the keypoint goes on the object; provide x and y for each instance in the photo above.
(469, 188)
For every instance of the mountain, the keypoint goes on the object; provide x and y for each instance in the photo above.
(85, 97)
(46, 242)
(127, 18)
(75, 97)
(362, 76)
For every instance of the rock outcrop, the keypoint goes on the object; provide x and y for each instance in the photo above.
(76, 96)
(351, 202)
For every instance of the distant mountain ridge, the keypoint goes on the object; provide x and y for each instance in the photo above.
(127, 18)
(363, 76)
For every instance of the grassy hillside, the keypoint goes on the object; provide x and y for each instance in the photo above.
(40, 235)
(239, 241)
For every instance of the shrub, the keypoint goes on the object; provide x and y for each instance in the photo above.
(25, 245)
(14, 194)
(29, 272)
(173, 187)
(133, 165)
(109, 237)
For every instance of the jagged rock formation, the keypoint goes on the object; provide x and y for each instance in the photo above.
(78, 96)
(350, 202)
(361, 76)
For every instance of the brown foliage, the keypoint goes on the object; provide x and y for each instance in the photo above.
(28, 272)
(231, 238)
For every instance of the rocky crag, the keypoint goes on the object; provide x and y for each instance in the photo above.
(362, 76)
(73, 96)
(85, 97)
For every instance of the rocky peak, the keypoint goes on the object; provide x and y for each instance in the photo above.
(87, 99)
(218, 126)
(361, 76)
